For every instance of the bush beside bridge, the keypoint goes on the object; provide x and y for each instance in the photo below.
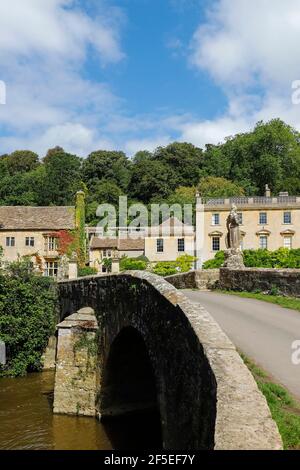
(27, 316)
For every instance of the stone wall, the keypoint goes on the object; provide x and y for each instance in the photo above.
(201, 279)
(285, 281)
(206, 396)
(76, 365)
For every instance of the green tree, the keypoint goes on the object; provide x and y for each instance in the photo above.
(142, 155)
(62, 179)
(22, 161)
(151, 179)
(101, 192)
(52, 151)
(184, 159)
(106, 165)
(269, 154)
(22, 189)
(183, 195)
(213, 187)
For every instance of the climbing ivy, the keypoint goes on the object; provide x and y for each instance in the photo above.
(80, 228)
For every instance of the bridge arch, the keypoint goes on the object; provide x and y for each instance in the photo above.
(129, 391)
(206, 396)
(128, 382)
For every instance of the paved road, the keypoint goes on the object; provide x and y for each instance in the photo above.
(263, 331)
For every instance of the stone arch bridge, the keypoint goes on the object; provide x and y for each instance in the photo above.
(132, 341)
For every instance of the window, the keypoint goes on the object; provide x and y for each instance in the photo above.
(51, 269)
(287, 242)
(216, 219)
(263, 218)
(240, 218)
(215, 243)
(50, 244)
(29, 241)
(160, 245)
(10, 241)
(287, 218)
(263, 242)
(181, 245)
(104, 270)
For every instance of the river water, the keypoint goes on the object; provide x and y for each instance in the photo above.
(27, 422)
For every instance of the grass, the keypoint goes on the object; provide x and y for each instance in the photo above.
(287, 302)
(284, 408)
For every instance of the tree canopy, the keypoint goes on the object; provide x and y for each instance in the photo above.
(242, 165)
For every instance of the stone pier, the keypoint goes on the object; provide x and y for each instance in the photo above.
(76, 364)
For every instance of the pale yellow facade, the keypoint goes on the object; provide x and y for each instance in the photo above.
(172, 247)
(35, 244)
(266, 223)
(34, 232)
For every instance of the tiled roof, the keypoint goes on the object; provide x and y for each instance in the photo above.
(99, 242)
(131, 244)
(37, 218)
(126, 244)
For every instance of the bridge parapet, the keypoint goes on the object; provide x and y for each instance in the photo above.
(206, 396)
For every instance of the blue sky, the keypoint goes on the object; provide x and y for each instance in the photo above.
(155, 76)
(136, 74)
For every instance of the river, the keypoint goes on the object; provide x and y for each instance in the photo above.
(27, 422)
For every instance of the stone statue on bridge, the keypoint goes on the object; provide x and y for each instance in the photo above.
(233, 254)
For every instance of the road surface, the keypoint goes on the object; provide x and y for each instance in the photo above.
(263, 331)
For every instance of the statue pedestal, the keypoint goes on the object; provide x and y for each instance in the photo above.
(234, 259)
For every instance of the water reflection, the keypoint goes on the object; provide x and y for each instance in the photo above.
(27, 422)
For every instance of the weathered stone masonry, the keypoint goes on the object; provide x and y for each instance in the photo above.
(199, 279)
(206, 396)
(76, 364)
(285, 281)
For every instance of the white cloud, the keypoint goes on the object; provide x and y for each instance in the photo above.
(246, 40)
(74, 138)
(44, 46)
(250, 49)
(54, 27)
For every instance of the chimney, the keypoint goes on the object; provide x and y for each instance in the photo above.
(198, 198)
(268, 191)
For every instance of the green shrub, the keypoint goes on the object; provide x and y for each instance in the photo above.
(282, 258)
(185, 263)
(132, 264)
(216, 262)
(28, 303)
(87, 271)
(165, 268)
